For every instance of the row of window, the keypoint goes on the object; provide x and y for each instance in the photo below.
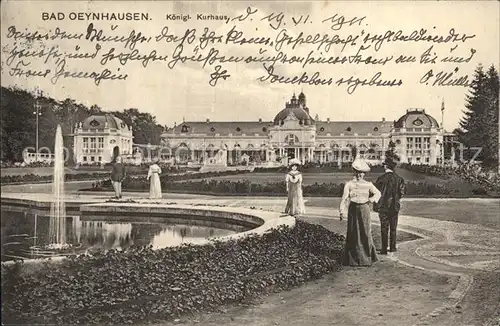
(264, 129)
(418, 160)
(99, 141)
(418, 142)
(212, 129)
(92, 159)
(347, 129)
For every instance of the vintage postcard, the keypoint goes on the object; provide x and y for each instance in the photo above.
(250, 162)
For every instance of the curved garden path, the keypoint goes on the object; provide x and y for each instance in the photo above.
(450, 274)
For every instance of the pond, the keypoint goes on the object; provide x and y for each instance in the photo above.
(25, 233)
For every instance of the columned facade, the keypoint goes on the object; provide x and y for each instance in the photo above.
(99, 138)
(293, 133)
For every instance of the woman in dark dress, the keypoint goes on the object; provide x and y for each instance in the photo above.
(358, 193)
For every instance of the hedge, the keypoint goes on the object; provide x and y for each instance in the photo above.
(248, 188)
(141, 284)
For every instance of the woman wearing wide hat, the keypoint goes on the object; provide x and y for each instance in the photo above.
(358, 193)
(295, 204)
(155, 183)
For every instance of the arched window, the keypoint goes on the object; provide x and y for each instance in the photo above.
(184, 129)
(348, 129)
(291, 139)
(375, 129)
(238, 129)
(212, 129)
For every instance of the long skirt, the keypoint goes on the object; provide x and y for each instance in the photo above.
(359, 248)
(155, 187)
(295, 203)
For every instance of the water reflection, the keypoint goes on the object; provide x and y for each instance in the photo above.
(25, 234)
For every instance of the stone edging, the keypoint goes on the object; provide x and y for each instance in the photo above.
(264, 221)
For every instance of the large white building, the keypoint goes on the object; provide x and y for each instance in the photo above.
(293, 133)
(98, 138)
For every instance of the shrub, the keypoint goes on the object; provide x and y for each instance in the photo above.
(140, 284)
(247, 188)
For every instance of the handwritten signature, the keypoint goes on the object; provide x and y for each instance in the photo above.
(316, 79)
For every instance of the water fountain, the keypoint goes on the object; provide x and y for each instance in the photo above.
(57, 229)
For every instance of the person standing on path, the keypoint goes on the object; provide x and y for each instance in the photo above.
(117, 176)
(392, 188)
(155, 184)
(358, 193)
(295, 204)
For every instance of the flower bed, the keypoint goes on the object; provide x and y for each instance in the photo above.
(168, 176)
(35, 178)
(318, 168)
(471, 173)
(247, 188)
(140, 284)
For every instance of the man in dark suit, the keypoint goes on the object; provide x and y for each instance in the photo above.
(392, 188)
(117, 176)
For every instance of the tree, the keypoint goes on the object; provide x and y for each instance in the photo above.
(490, 119)
(18, 123)
(390, 153)
(479, 126)
(146, 129)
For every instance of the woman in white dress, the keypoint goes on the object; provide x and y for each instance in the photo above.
(154, 177)
(295, 204)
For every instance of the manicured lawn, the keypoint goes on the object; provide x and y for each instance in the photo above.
(470, 211)
(43, 171)
(311, 178)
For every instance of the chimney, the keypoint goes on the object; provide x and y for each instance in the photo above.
(383, 119)
(260, 119)
(208, 120)
(328, 120)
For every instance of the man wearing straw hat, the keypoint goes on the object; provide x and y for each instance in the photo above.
(358, 193)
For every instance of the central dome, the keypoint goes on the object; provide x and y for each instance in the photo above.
(416, 118)
(103, 121)
(295, 108)
(299, 113)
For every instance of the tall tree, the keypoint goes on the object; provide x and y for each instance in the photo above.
(479, 126)
(475, 103)
(490, 119)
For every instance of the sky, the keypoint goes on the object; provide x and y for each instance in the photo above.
(184, 92)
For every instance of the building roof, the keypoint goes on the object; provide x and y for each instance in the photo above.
(102, 121)
(349, 128)
(223, 128)
(250, 128)
(416, 118)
